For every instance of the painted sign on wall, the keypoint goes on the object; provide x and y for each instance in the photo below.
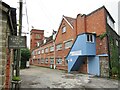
(76, 53)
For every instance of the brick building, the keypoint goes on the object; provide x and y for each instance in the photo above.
(94, 30)
(36, 37)
(8, 27)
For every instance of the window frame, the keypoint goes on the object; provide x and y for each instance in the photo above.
(59, 61)
(60, 47)
(68, 43)
(90, 38)
(64, 29)
(51, 49)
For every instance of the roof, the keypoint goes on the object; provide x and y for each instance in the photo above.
(70, 20)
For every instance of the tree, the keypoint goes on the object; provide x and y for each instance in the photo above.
(25, 55)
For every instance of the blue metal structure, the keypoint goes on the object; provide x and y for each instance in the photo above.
(81, 49)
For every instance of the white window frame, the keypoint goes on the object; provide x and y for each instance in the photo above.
(46, 50)
(68, 44)
(46, 60)
(59, 47)
(89, 37)
(42, 51)
(51, 60)
(58, 60)
(51, 48)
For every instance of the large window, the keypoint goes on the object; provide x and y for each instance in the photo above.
(68, 44)
(51, 60)
(59, 47)
(51, 48)
(64, 29)
(90, 38)
(110, 22)
(46, 50)
(59, 61)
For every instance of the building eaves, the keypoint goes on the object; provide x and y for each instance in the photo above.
(69, 20)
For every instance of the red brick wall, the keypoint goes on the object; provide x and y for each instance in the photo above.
(96, 22)
(101, 46)
(60, 38)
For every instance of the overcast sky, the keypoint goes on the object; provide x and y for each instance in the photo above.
(47, 14)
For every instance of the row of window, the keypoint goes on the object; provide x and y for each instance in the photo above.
(67, 44)
(42, 60)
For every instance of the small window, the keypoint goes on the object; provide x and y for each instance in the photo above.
(51, 49)
(64, 29)
(59, 61)
(90, 38)
(68, 44)
(59, 47)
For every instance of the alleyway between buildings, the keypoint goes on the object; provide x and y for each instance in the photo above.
(39, 77)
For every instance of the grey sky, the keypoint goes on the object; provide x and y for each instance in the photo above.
(47, 14)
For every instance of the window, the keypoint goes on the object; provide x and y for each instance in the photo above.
(116, 42)
(59, 61)
(51, 48)
(33, 53)
(38, 61)
(64, 29)
(38, 51)
(42, 51)
(110, 22)
(42, 60)
(46, 50)
(51, 60)
(46, 60)
(90, 38)
(59, 47)
(37, 36)
(68, 44)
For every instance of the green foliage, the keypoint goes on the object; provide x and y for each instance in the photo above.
(114, 70)
(16, 78)
(25, 54)
(114, 57)
(103, 35)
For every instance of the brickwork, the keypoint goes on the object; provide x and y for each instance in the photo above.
(96, 22)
